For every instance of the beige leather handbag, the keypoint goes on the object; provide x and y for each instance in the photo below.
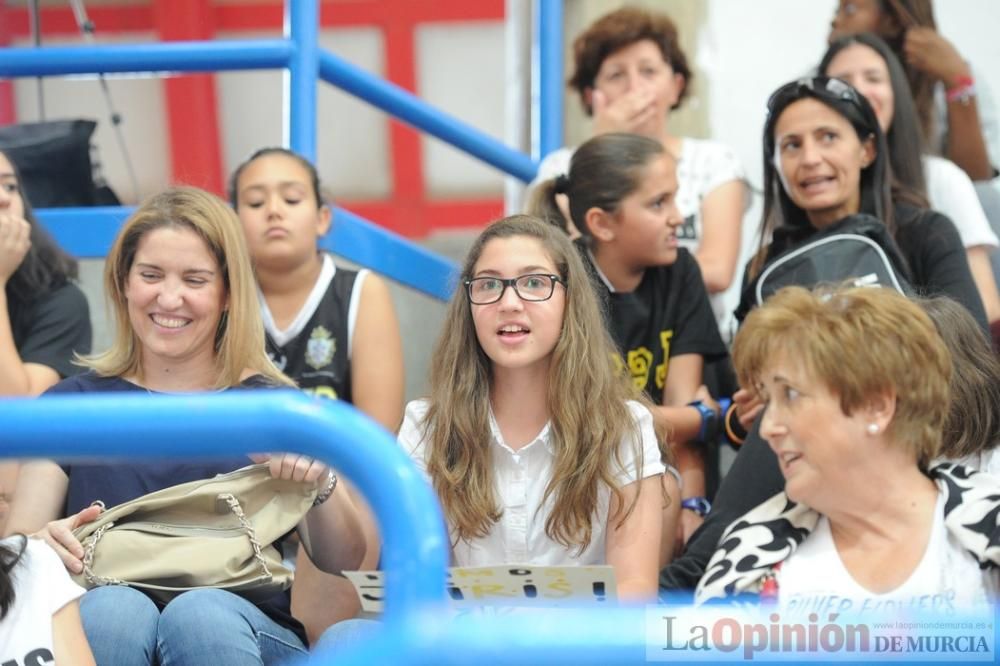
(215, 533)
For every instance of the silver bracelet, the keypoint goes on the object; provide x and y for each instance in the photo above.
(324, 495)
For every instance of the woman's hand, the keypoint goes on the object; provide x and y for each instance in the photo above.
(15, 241)
(293, 466)
(629, 113)
(748, 407)
(59, 535)
(925, 49)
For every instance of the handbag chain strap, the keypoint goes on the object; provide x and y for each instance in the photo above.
(234, 506)
(89, 545)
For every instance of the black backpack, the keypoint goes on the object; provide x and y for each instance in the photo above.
(857, 250)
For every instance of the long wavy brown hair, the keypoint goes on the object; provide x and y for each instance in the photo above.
(586, 402)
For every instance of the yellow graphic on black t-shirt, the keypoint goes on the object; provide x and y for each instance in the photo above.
(322, 392)
(661, 369)
(640, 359)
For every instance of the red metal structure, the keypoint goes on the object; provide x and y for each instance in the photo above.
(192, 109)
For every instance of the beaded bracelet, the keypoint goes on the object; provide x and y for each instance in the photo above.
(963, 90)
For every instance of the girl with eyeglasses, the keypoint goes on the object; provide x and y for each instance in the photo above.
(920, 178)
(621, 190)
(530, 436)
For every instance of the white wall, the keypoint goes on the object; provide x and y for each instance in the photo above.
(460, 69)
(352, 138)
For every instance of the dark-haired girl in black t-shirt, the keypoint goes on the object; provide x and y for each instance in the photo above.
(621, 191)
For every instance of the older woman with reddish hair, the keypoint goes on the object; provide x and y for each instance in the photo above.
(857, 389)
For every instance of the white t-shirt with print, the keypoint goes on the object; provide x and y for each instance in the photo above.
(947, 580)
(41, 588)
(521, 477)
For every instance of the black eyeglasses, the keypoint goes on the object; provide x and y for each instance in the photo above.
(821, 86)
(531, 287)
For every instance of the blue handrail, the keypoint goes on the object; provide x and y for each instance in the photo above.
(89, 232)
(414, 629)
(131, 426)
(302, 31)
(548, 72)
(197, 56)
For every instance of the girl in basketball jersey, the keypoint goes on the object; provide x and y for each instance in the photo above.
(334, 331)
(621, 191)
(529, 436)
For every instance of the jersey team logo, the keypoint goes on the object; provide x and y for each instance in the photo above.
(320, 348)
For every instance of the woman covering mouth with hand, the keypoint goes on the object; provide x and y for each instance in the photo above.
(865, 514)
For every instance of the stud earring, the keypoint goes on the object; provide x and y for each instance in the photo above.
(872, 428)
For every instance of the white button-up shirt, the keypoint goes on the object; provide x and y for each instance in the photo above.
(521, 478)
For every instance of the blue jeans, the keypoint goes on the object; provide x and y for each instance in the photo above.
(344, 634)
(125, 628)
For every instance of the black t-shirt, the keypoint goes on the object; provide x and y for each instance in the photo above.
(668, 314)
(317, 358)
(117, 483)
(49, 330)
(938, 260)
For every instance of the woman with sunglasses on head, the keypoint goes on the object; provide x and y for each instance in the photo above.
(826, 158)
(44, 318)
(529, 435)
(868, 64)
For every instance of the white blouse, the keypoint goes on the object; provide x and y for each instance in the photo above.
(521, 477)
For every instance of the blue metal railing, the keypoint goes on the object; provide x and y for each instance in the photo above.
(301, 56)
(547, 73)
(414, 630)
(115, 426)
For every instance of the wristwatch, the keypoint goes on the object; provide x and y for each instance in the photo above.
(699, 505)
(708, 419)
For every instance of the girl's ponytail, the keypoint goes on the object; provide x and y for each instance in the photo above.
(543, 205)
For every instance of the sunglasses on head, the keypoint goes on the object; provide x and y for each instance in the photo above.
(820, 86)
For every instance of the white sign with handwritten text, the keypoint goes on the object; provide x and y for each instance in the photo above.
(508, 585)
